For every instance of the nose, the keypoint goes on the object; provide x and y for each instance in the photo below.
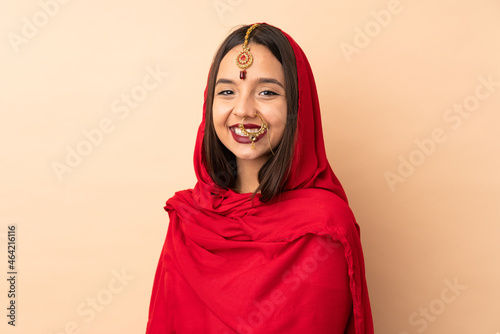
(244, 106)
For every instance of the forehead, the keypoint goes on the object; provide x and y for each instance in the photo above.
(265, 64)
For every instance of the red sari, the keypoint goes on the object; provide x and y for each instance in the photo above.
(292, 265)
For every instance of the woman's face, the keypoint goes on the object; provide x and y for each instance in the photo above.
(262, 92)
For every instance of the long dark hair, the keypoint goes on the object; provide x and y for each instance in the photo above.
(221, 163)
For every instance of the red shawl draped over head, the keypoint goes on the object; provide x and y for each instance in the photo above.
(292, 265)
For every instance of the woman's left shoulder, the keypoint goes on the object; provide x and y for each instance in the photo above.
(334, 211)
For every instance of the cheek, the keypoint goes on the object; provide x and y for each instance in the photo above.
(219, 119)
(278, 134)
(278, 124)
(281, 119)
(218, 116)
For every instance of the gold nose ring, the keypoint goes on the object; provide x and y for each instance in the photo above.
(253, 135)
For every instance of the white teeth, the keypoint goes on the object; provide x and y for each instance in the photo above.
(240, 133)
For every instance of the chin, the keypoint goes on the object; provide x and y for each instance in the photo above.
(246, 154)
(253, 155)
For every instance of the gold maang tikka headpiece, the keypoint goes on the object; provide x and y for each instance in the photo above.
(245, 59)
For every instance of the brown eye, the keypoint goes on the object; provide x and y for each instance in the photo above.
(225, 92)
(268, 93)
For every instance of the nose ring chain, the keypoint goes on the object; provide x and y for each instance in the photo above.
(253, 135)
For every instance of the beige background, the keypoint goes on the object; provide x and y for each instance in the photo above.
(386, 98)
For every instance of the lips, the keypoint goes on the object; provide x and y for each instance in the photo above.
(245, 139)
(247, 126)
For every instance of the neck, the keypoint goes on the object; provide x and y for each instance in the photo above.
(247, 180)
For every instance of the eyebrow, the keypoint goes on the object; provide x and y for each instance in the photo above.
(271, 81)
(224, 81)
(260, 80)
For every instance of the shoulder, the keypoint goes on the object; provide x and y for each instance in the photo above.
(337, 213)
(321, 208)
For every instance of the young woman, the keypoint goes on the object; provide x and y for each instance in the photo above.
(265, 242)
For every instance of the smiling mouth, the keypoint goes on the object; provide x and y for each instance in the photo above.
(241, 138)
